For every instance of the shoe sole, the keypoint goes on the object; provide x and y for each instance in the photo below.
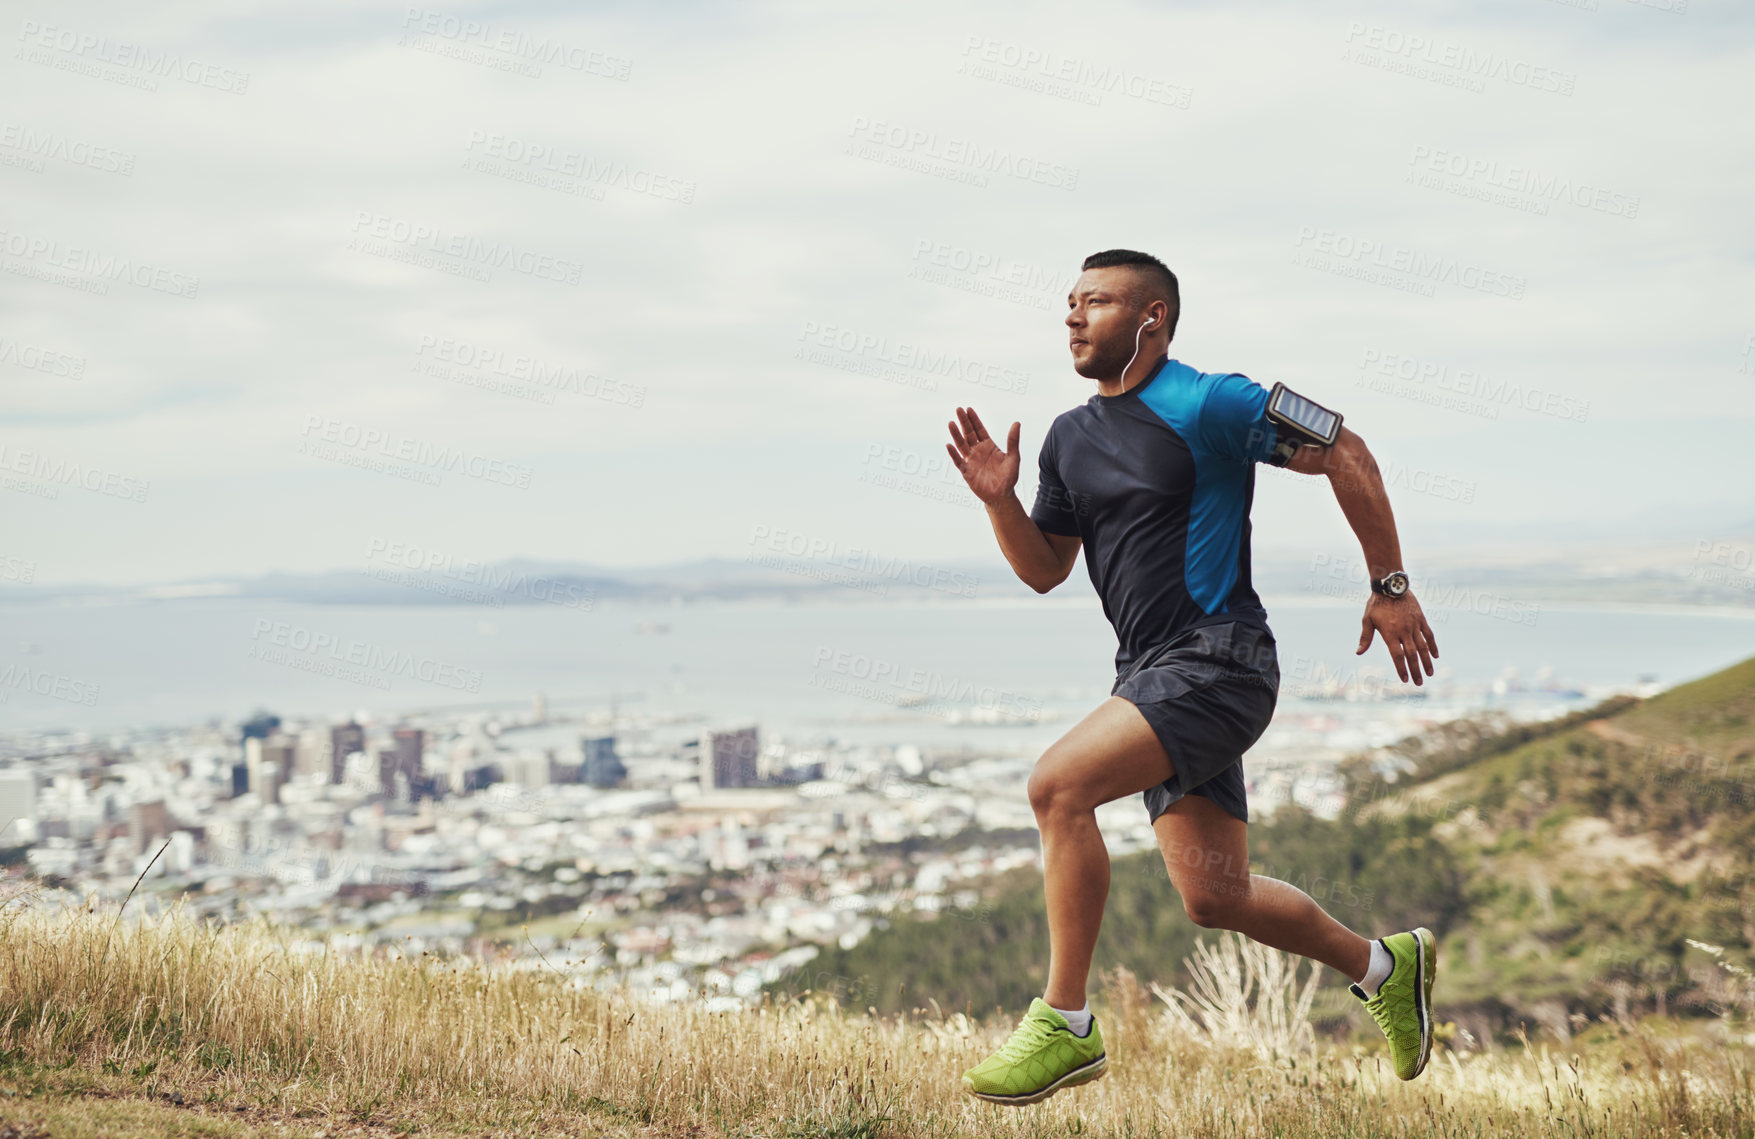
(1083, 1074)
(1425, 971)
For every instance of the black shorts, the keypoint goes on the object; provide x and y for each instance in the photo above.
(1208, 695)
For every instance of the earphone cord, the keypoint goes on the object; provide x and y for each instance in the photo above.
(1139, 332)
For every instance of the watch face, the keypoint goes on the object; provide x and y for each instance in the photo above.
(1396, 584)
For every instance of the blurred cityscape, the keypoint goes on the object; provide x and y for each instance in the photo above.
(682, 859)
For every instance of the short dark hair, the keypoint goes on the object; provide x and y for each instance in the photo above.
(1151, 269)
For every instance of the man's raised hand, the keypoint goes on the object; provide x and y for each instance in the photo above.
(990, 472)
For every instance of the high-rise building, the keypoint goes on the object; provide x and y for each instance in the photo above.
(148, 822)
(258, 727)
(344, 740)
(458, 763)
(387, 772)
(18, 806)
(728, 758)
(267, 764)
(311, 758)
(410, 749)
(530, 767)
(601, 766)
(404, 759)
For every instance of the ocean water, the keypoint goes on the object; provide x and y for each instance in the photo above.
(1006, 674)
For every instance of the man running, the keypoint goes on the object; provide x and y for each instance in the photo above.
(1153, 476)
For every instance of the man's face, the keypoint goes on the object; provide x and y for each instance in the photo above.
(1102, 317)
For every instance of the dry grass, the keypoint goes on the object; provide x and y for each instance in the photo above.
(1244, 997)
(102, 1023)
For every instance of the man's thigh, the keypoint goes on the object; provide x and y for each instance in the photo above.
(1205, 849)
(1111, 753)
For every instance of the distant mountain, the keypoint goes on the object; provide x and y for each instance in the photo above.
(1702, 571)
(524, 581)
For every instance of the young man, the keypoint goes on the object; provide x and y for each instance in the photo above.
(1153, 476)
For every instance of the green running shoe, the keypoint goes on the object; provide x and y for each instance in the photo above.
(1041, 1057)
(1403, 1005)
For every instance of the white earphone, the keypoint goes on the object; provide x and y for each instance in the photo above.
(1136, 342)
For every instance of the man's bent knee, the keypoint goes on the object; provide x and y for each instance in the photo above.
(1052, 793)
(1206, 911)
(1214, 904)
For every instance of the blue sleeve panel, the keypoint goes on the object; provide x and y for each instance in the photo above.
(1223, 419)
(1233, 419)
(1157, 482)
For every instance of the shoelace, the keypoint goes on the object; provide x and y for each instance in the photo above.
(1395, 996)
(1027, 1039)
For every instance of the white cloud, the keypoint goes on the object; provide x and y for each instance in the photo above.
(701, 306)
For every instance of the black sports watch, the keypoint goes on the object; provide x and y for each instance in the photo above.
(1392, 585)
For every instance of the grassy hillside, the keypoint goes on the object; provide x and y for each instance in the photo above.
(1564, 866)
(1594, 854)
(172, 1028)
(1585, 877)
(994, 956)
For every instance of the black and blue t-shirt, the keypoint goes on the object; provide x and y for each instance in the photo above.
(1157, 482)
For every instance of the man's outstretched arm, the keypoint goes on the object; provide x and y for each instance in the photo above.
(1040, 559)
(1358, 487)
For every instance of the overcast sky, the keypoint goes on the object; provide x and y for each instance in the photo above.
(273, 273)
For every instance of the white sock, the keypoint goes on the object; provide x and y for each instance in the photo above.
(1378, 972)
(1080, 1021)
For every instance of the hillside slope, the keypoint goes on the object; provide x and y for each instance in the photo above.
(1564, 867)
(174, 1027)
